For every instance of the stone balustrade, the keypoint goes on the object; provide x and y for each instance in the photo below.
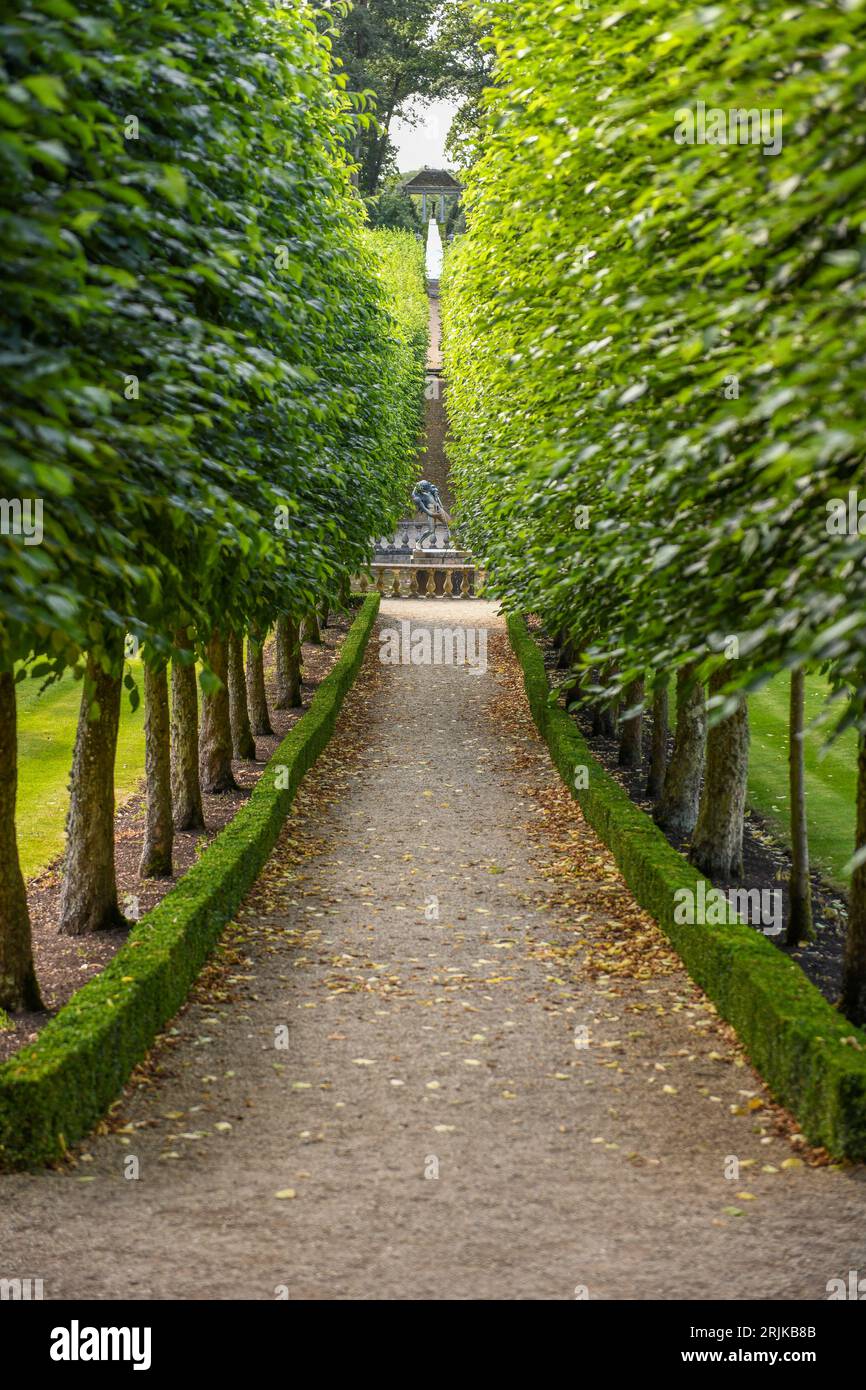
(411, 580)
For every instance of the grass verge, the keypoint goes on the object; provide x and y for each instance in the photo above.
(47, 724)
(831, 776)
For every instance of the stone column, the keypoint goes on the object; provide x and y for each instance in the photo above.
(442, 208)
(424, 208)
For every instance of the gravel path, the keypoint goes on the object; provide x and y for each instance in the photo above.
(443, 1025)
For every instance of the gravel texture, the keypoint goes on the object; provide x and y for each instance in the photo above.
(497, 1082)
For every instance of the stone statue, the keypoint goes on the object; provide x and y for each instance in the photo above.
(426, 498)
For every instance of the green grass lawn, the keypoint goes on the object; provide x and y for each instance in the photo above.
(46, 736)
(831, 775)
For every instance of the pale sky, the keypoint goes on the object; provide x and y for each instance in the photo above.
(424, 143)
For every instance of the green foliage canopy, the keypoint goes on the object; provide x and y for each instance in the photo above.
(669, 335)
(198, 346)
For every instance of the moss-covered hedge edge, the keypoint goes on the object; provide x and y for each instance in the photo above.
(53, 1091)
(811, 1057)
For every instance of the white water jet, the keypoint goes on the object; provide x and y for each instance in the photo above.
(434, 250)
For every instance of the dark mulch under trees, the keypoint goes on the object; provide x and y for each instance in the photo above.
(766, 862)
(65, 963)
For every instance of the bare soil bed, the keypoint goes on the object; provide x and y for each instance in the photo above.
(766, 862)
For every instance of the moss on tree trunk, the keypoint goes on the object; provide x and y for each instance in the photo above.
(854, 976)
(717, 842)
(257, 700)
(215, 735)
(89, 896)
(18, 987)
(243, 743)
(185, 785)
(677, 809)
(159, 825)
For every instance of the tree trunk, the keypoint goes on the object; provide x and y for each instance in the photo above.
(608, 715)
(853, 1001)
(345, 592)
(631, 730)
(717, 844)
(311, 631)
(288, 644)
(89, 896)
(607, 720)
(257, 700)
(595, 707)
(378, 143)
(159, 827)
(185, 785)
(659, 744)
(324, 613)
(567, 652)
(215, 737)
(677, 810)
(18, 987)
(609, 712)
(243, 743)
(800, 924)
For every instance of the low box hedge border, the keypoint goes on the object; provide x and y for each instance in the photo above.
(53, 1091)
(811, 1057)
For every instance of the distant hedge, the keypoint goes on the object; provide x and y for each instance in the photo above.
(399, 258)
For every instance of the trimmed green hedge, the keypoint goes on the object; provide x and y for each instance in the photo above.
(54, 1091)
(811, 1057)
